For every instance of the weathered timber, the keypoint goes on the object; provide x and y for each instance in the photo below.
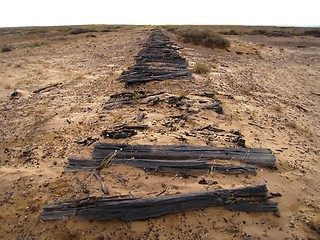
(172, 76)
(119, 134)
(103, 186)
(140, 97)
(123, 131)
(184, 167)
(158, 60)
(46, 87)
(247, 199)
(257, 156)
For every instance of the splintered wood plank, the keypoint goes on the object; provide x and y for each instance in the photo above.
(248, 199)
(186, 167)
(159, 53)
(257, 156)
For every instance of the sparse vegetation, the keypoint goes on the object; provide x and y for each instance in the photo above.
(81, 30)
(137, 95)
(6, 49)
(277, 108)
(230, 32)
(171, 28)
(260, 32)
(201, 68)
(291, 124)
(246, 90)
(312, 32)
(274, 33)
(204, 37)
(36, 31)
(106, 30)
(7, 86)
(299, 128)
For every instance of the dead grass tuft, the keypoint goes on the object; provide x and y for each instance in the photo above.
(201, 68)
(277, 108)
(246, 90)
(7, 86)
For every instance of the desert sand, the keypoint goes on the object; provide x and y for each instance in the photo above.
(270, 92)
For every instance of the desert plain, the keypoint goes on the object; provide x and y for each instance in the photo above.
(269, 90)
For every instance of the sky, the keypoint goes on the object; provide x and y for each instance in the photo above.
(16, 13)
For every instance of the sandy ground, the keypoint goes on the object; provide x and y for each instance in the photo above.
(269, 88)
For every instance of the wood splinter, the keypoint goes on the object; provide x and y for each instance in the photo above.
(105, 163)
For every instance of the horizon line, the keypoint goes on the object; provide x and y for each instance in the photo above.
(179, 24)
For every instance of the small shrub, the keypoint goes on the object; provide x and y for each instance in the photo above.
(171, 28)
(280, 33)
(260, 32)
(201, 68)
(137, 95)
(231, 32)
(6, 49)
(292, 125)
(277, 108)
(205, 38)
(246, 90)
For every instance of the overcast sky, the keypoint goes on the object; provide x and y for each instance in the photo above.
(227, 12)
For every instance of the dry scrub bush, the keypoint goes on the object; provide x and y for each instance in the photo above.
(203, 37)
(6, 49)
(81, 30)
(201, 68)
(277, 108)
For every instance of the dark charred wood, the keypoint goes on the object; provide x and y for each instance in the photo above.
(256, 156)
(159, 60)
(186, 167)
(210, 128)
(247, 199)
(123, 131)
(215, 107)
(46, 87)
(140, 117)
(118, 134)
(88, 141)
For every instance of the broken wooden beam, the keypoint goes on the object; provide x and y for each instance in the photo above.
(262, 157)
(183, 167)
(46, 87)
(140, 97)
(247, 199)
(158, 60)
(123, 131)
